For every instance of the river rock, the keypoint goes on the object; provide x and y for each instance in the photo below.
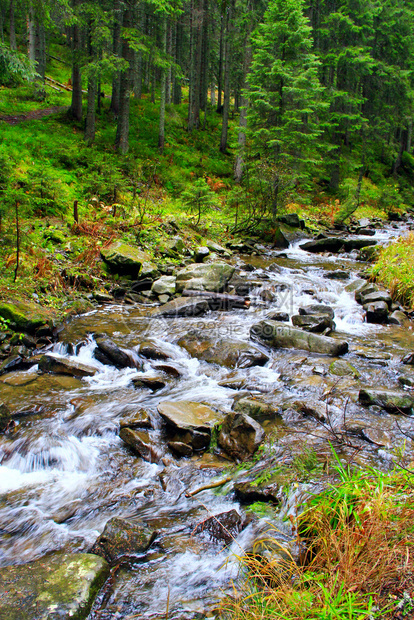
(408, 359)
(183, 306)
(61, 586)
(327, 244)
(122, 537)
(249, 492)
(190, 416)
(291, 219)
(217, 248)
(164, 286)
(222, 527)
(229, 353)
(148, 271)
(5, 416)
(357, 244)
(26, 316)
(406, 380)
(376, 312)
(111, 352)
(315, 323)
(366, 289)
(310, 409)
(316, 309)
(205, 277)
(240, 436)
(123, 258)
(64, 366)
(13, 362)
(355, 285)
(256, 409)
(391, 401)
(137, 419)
(152, 383)
(140, 443)
(153, 350)
(341, 368)
(174, 247)
(369, 298)
(398, 318)
(280, 336)
(278, 316)
(201, 253)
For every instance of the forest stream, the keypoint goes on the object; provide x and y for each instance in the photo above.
(65, 471)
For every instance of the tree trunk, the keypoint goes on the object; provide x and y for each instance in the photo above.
(195, 75)
(241, 139)
(177, 96)
(31, 35)
(90, 113)
(226, 104)
(122, 130)
(117, 50)
(169, 46)
(161, 133)
(220, 67)
(76, 104)
(40, 51)
(13, 44)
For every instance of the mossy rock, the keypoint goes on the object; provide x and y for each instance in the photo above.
(124, 259)
(25, 315)
(58, 587)
(341, 368)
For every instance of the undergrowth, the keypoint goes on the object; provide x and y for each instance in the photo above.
(395, 269)
(354, 558)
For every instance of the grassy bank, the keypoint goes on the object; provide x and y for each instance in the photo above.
(357, 543)
(394, 268)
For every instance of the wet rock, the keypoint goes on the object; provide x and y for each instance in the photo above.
(183, 306)
(140, 443)
(116, 356)
(327, 244)
(122, 537)
(368, 298)
(338, 274)
(376, 312)
(174, 247)
(215, 247)
(380, 358)
(278, 316)
(313, 322)
(180, 448)
(123, 258)
(357, 244)
(26, 316)
(229, 353)
(406, 380)
(148, 271)
(205, 277)
(234, 382)
(279, 238)
(369, 253)
(153, 351)
(291, 219)
(18, 378)
(341, 368)
(201, 253)
(366, 289)
(13, 362)
(138, 419)
(372, 435)
(391, 401)
(355, 285)
(398, 318)
(316, 309)
(408, 359)
(280, 336)
(257, 409)
(58, 586)
(152, 383)
(249, 492)
(240, 436)
(310, 408)
(63, 366)
(5, 416)
(164, 286)
(102, 297)
(189, 416)
(169, 370)
(222, 527)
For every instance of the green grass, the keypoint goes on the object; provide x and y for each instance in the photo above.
(395, 269)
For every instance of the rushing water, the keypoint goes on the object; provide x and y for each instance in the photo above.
(65, 471)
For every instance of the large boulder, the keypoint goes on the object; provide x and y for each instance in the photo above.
(327, 244)
(390, 400)
(164, 286)
(107, 352)
(229, 353)
(204, 277)
(123, 258)
(64, 366)
(376, 312)
(357, 244)
(190, 416)
(280, 336)
(26, 316)
(122, 537)
(56, 587)
(316, 323)
(183, 306)
(240, 436)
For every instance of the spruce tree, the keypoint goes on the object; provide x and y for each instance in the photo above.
(285, 96)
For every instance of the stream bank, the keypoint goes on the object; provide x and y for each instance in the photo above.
(113, 427)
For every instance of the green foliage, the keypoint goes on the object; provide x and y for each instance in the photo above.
(395, 269)
(14, 66)
(200, 198)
